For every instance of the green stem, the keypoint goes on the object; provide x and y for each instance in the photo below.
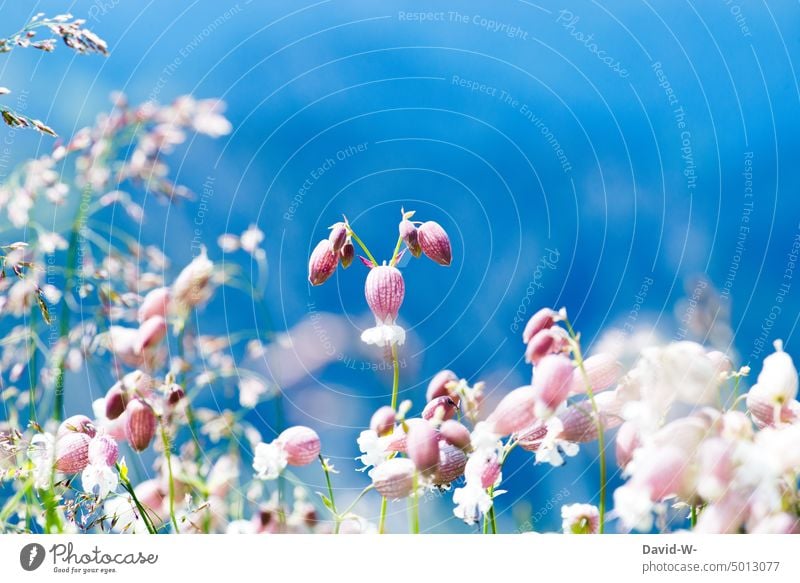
(601, 444)
(142, 511)
(356, 501)
(69, 282)
(382, 521)
(396, 377)
(336, 518)
(415, 505)
(358, 240)
(168, 456)
(693, 517)
(396, 253)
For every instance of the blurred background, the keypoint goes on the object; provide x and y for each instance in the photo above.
(635, 162)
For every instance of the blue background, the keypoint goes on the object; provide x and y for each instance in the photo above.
(304, 82)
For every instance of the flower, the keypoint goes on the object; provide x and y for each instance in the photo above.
(394, 478)
(338, 237)
(435, 243)
(552, 380)
(472, 502)
(41, 454)
(384, 291)
(250, 391)
(439, 385)
(251, 239)
(192, 287)
(269, 460)
(541, 320)
(374, 449)
(634, 507)
(99, 479)
(301, 445)
(422, 445)
(552, 445)
(322, 263)
(580, 519)
(514, 412)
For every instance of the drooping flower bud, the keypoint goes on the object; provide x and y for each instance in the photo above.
(155, 303)
(531, 438)
(151, 333)
(347, 253)
(72, 452)
(548, 341)
(140, 426)
(452, 461)
(116, 401)
(382, 421)
(408, 232)
(603, 371)
(394, 478)
(301, 445)
(552, 379)
(438, 385)
(193, 284)
(385, 290)
(541, 320)
(435, 243)
(422, 445)
(322, 263)
(455, 434)
(628, 441)
(76, 424)
(443, 407)
(103, 450)
(514, 412)
(338, 237)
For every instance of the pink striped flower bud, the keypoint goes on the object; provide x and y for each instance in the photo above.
(766, 412)
(76, 424)
(140, 426)
(541, 320)
(394, 478)
(422, 445)
(322, 263)
(438, 385)
(628, 441)
(193, 286)
(347, 254)
(552, 379)
(435, 243)
(455, 434)
(385, 290)
(408, 232)
(116, 401)
(151, 333)
(338, 237)
(301, 445)
(603, 371)
(452, 461)
(578, 423)
(548, 341)
(442, 407)
(514, 412)
(72, 452)
(531, 437)
(490, 472)
(155, 303)
(382, 421)
(103, 450)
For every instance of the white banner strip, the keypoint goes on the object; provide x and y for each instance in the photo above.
(401, 558)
